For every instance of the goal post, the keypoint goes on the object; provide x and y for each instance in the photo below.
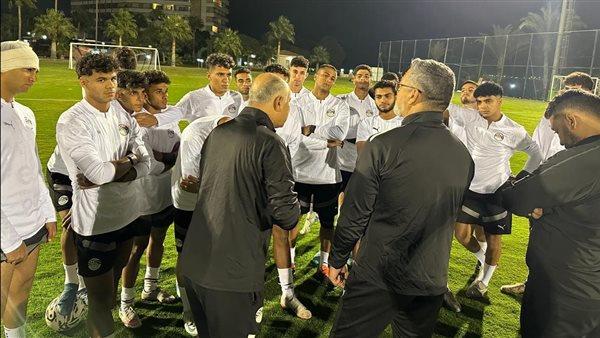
(147, 57)
(558, 84)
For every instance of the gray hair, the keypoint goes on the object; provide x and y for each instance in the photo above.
(9, 45)
(435, 79)
(264, 92)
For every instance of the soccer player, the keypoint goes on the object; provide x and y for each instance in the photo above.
(102, 147)
(492, 138)
(549, 144)
(386, 119)
(298, 74)
(317, 172)
(243, 81)
(389, 76)
(28, 218)
(278, 69)
(126, 58)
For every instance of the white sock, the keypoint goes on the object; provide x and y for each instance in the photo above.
(17, 332)
(480, 256)
(293, 254)
(127, 297)
(483, 246)
(184, 298)
(71, 274)
(324, 258)
(81, 282)
(488, 272)
(151, 279)
(286, 281)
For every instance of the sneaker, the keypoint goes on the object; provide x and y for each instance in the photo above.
(451, 302)
(67, 298)
(324, 269)
(295, 306)
(316, 259)
(514, 289)
(189, 325)
(158, 295)
(129, 318)
(476, 290)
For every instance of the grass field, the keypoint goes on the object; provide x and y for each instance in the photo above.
(57, 89)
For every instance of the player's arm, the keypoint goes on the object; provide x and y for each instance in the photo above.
(190, 156)
(532, 150)
(362, 135)
(337, 128)
(185, 107)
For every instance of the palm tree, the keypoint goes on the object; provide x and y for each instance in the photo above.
(122, 25)
(228, 42)
(20, 4)
(319, 55)
(282, 30)
(56, 26)
(176, 28)
(499, 46)
(81, 19)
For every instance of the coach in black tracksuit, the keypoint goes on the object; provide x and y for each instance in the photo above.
(402, 200)
(562, 294)
(245, 187)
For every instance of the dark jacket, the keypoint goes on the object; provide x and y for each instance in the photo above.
(563, 254)
(402, 200)
(245, 187)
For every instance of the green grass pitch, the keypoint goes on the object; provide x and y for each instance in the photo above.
(57, 89)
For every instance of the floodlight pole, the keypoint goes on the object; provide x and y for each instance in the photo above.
(527, 64)
(462, 53)
(401, 51)
(503, 61)
(482, 54)
(389, 57)
(446, 52)
(566, 4)
(96, 38)
(594, 51)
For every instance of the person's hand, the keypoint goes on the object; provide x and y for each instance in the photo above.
(537, 213)
(18, 255)
(335, 143)
(66, 222)
(146, 120)
(307, 130)
(51, 227)
(84, 183)
(190, 184)
(338, 276)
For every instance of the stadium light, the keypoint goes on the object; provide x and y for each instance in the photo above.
(512, 86)
(44, 37)
(252, 56)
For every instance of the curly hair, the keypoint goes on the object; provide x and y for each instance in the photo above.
(277, 69)
(580, 79)
(242, 70)
(385, 84)
(221, 60)
(101, 63)
(126, 58)
(299, 61)
(131, 79)
(156, 76)
(488, 88)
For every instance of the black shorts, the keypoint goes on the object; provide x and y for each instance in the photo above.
(40, 237)
(61, 191)
(345, 179)
(144, 224)
(487, 211)
(182, 223)
(97, 253)
(324, 199)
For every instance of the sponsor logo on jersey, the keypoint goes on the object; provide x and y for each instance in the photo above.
(123, 130)
(330, 112)
(369, 113)
(28, 123)
(498, 136)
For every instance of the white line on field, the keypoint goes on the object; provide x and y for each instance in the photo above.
(58, 100)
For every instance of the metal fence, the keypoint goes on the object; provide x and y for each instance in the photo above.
(521, 63)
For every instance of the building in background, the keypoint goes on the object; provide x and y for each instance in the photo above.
(213, 13)
(107, 7)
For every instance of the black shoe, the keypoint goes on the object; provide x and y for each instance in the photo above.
(451, 302)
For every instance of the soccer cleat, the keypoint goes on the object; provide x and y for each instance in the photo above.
(514, 289)
(158, 295)
(295, 306)
(67, 299)
(451, 301)
(324, 269)
(129, 318)
(189, 325)
(476, 290)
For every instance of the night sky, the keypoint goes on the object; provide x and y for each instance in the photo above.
(360, 25)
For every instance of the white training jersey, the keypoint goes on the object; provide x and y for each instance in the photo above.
(455, 128)
(375, 125)
(26, 206)
(188, 161)
(88, 141)
(302, 92)
(157, 185)
(203, 102)
(546, 139)
(331, 117)
(491, 147)
(291, 134)
(56, 163)
(359, 110)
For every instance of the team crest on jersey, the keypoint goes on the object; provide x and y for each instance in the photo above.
(498, 136)
(330, 112)
(94, 264)
(123, 130)
(28, 123)
(369, 113)
(62, 200)
(232, 109)
(171, 133)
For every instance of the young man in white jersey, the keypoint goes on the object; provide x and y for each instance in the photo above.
(549, 144)
(102, 147)
(317, 172)
(298, 74)
(28, 218)
(491, 138)
(150, 229)
(243, 81)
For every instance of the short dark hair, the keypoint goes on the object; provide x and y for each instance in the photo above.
(299, 61)
(362, 67)
(575, 99)
(156, 76)
(221, 60)
(469, 82)
(385, 84)
(327, 65)
(390, 76)
(277, 69)
(241, 70)
(488, 88)
(580, 79)
(131, 79)
(126, 58)
(101, 63)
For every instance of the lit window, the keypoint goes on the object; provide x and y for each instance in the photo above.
(156, 6)
(170, 7)
(215, 29)
(218, 3)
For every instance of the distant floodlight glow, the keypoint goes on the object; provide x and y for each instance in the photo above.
(512, 86)
(148, 57)
(44, 37)
(198, 60)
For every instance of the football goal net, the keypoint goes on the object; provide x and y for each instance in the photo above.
(558, 84)
(147, 57)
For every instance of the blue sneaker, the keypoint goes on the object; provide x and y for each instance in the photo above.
(67, 299)
(316, 259)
